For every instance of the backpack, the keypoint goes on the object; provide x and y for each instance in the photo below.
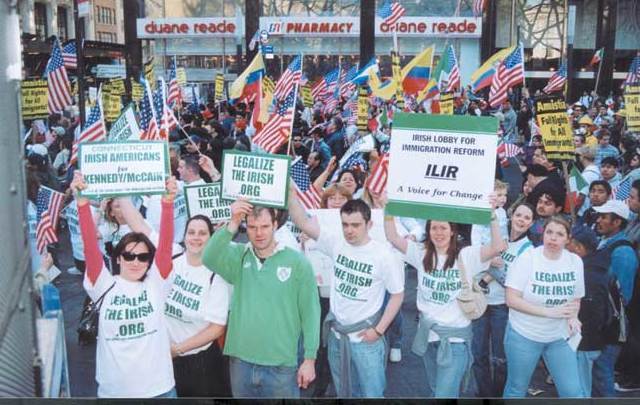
(615, 327)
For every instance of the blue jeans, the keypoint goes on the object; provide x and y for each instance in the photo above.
(585, 369)
(603, 369)
(368, 361)
(169, 394)
(250, 380)
(488, 351)
(522, 357)
(445, 381)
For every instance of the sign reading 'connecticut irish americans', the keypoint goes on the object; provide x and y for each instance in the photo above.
(442, 167)
(262, 179)
(124, 168)
(205, 199)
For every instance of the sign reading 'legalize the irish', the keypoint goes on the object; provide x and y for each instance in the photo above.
(442, 167)
(206, 200)
(262, 179)
(123, 168)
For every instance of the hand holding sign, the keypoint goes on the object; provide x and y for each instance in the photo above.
(239, 210)
(172, 189)
(76, 186)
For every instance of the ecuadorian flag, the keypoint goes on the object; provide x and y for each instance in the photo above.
(482, 77)
(248, 83)
(416, 74)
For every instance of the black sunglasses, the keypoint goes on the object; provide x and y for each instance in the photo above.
(142, 257)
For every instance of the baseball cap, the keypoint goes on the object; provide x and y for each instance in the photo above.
(620, 208)
(585, 236)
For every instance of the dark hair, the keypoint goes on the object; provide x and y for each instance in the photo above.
(202, 218)
(430, 260)
(135, 237)
(257, 210)
(353, 173)
(636, 185)
(191, 163)
(353, 206)
(609, 160)
(602, 183)
(537, 170)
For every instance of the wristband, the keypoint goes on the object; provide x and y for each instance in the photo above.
(376, 331)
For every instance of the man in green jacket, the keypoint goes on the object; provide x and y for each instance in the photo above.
(275, 300)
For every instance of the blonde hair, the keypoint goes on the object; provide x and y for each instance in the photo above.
(500, 185)
(333, 190)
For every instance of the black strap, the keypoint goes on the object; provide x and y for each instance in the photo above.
(98, 302)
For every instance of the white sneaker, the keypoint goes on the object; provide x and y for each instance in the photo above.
(395, 355)
(74, 272)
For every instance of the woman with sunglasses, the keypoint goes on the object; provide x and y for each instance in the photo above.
(133, 355)
(195, 310)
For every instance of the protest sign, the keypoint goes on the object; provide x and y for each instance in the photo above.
(307, 98)
(553, 121)
(205, 199)
(136, 91)
(126, 127)
(442, 167)
(219, 89)
(111, 104)
(446, 103)
(117, 86)
(363, 109)
(263, 179)
(35, 95)
(632, 107)
(124, 168)
(181, 76)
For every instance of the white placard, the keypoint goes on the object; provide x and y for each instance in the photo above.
(205, 199)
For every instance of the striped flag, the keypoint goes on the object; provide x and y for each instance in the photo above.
(510, 72)
(478, 8)
(623, 191)
(377, 181)
(58, 81)
(70, 55)
(347, 87)
(355, 160)
(276, 130)
(506, 151)
(173, 95)
(557, 81)
(94, 130)
(597, 57)
(290, 77)
(167, 118)
(390, 12)
(453, 80)
(307, 194)
(326, 85)
(148, 121)
(48, 206)
(633, 76)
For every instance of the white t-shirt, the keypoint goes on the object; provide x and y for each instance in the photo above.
(496, 295)
(154, 212)
(32, 222)
(71, 214)
(196, 298)
(133, 355)
(481, 234)
(547, 283)
(438, 289)
(361, 277)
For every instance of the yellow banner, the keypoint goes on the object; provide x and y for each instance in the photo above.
(268, 86)
(397, 77)
(181, 76)
(363, 110)
(111, 103)
(137, 91)
(446, 103)
(35, 95)
(632, 107)
(219, 87)
(554, 125)
(307, 98)
(117, 86)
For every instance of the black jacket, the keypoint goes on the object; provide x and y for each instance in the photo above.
(594, 305)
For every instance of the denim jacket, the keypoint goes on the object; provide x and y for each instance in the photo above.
(624, 264)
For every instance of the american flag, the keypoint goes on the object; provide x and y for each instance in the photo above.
(148, 121)
(355, 160)
(453, 82)
(478, 8)
(557, 81)
(167, 118)
(377, 181)
(173, 95)
(57, 81)
(94, 130)
(509, 73)
(350, 110)
(623, 191)
(276, 130)
(290, 77)
(48, 205)
(307, 194)
(347, 87)
(326, 85)
(633, 76)
(391, 12)
(70, 55)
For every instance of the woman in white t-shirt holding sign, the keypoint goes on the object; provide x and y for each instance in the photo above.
(544, 287)
(444, 333)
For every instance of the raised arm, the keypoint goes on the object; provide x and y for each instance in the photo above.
(498, 245)
(320, 181)
(207, 165)
(93, 256)
(132, 216)
(299, 216)
(390, 230)
(165, 244)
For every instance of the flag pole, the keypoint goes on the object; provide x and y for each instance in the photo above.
(595, 90)
(295, 102)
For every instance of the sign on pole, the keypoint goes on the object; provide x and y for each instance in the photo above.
(442, 167)
(219, 89)
(137, 91)
(446, 103)
(262, 179)
(181, 76)
(206, 199)
(632, 107)
(111, 103)
(35, 95)
(307, 98)
(126, 127)
(557, 135)
(363, 109)
(124, 168)
(84, 8)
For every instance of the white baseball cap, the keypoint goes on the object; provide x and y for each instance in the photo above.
(620, 208)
